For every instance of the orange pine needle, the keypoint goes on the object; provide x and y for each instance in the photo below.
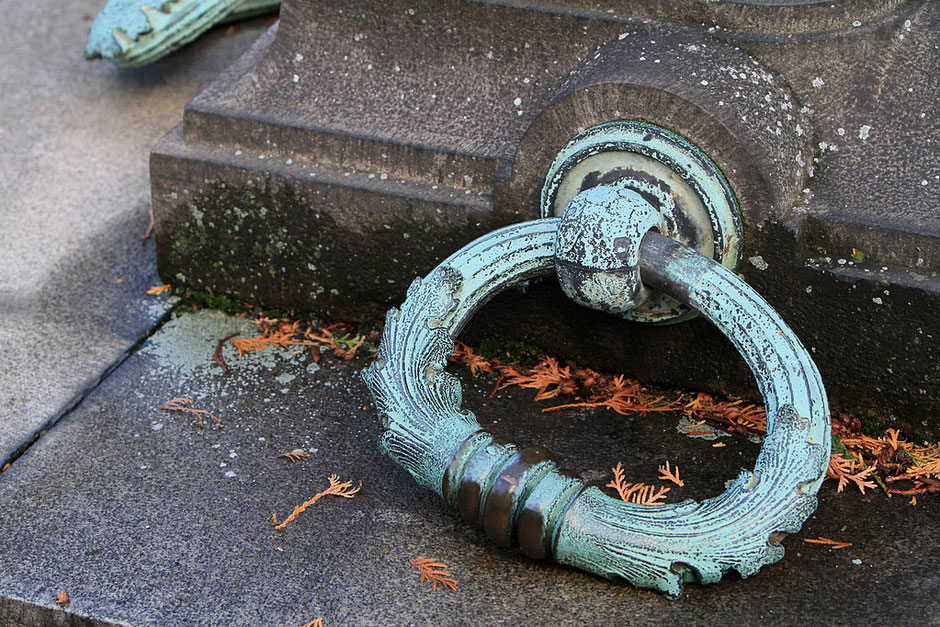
(156, 290)
(638, 493)
(670, 475)
(294, 456)
(62, 597)
(434, 571)
(184, 404)
(844, 469)
(834, 544)
(618, 484)
(316, 622)
(336, 488)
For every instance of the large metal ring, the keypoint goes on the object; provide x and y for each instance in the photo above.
(520, 497)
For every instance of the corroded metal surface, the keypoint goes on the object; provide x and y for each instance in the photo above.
(685, 187)
(520, 496)
(131, 33)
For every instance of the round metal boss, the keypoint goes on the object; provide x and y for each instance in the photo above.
(674, 176)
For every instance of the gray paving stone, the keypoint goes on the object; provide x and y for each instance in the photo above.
(147, 519)
(74, 195)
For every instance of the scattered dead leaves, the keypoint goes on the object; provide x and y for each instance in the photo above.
(156, 290)
(857, 460)
(62, 597)
(284, 333)
(849, 469)
(185, 404)
(337, 488)
(435, 572)
(294, 456)
(833, 544)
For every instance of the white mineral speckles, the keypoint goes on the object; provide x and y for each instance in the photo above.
(758, 262)
(841, 262)
(298, 58)
(877, 300)
(857, 562)
(863, 131)
(156, 426)
(856, 23)
(296, 78)
(809, 289)
(703, 82)
(229, 474)
(517, 101)
(840, 131)
(625, 35)
(818, 82)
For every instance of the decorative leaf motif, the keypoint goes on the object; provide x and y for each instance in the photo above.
(418, 401)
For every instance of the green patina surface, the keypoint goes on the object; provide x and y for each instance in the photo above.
(521, 497)
(131, 33)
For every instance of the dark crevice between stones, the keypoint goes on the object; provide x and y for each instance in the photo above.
(77, 400)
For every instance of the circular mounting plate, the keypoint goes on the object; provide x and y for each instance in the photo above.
(673, 175)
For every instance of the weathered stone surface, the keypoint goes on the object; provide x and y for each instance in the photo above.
(361, 143)
(147, 519)
(73, 203)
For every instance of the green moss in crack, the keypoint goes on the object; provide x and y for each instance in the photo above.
(509, 350)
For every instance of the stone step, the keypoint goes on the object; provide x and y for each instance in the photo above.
(359, 144)
(145, 518)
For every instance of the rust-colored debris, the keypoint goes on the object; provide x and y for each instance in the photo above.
(833, 544)
(156, 290)
(149, 230)
(62, 597)
(294, 456)
(336, 488)
(185, 404)
(667, 474)
(858, 460)
(217, 355)
(434, 571)
(316, 622)
(639, 493)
